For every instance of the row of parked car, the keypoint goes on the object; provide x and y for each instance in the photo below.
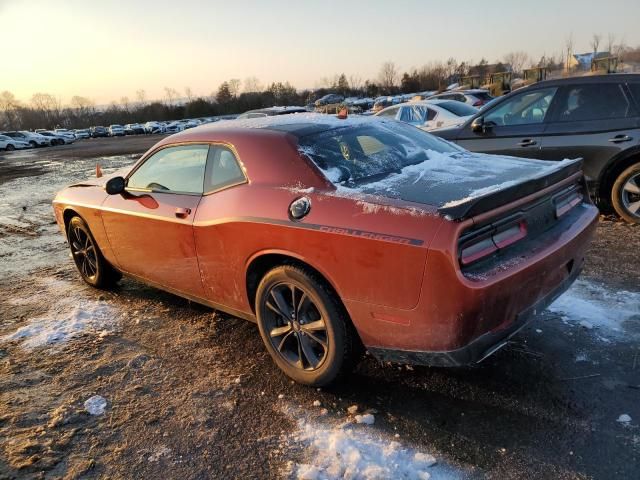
(17, 140)
(476, 97)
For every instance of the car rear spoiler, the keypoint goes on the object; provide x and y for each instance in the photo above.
(475, 206)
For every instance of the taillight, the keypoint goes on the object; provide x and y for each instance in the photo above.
(477, 250)
(490, 242)
(567, 202)
(478, 103)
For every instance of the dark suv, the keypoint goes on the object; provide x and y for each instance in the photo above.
(596, 118)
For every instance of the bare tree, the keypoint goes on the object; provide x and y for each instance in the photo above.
(356, 82)
(234, 87)
(252, 85)
(8, 110)
(8, 101)
(611, 41)
(568, 44)
(188, 93)
(170, 95)
(595, 42)
(124, 101)
(141, 97)
(517, 60)
(388, 75)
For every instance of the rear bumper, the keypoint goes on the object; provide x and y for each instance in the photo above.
(482, 346)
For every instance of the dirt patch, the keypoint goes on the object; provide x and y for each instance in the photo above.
(193, 394)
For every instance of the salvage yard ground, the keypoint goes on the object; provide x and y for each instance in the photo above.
(137, 383)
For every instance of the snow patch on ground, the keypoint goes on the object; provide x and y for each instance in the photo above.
(56, 328)
(595, 307)
(69, 315)
(361, 452)
(95, 405)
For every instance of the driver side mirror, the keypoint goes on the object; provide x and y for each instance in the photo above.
(480, 126)
(115, 185)
(477, 126)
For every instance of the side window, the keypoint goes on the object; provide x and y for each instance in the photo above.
(431, 114)
(524, 109)
(223, 169)
(389, 113)
(173, 169)
(413, 114)
(635, 91)
(602, 101)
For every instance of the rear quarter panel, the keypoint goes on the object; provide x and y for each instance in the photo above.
(369, 253)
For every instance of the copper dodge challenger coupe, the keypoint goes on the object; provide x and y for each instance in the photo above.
(339, 234)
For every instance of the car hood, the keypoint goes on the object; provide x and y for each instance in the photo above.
(100, 182)
(454, 182)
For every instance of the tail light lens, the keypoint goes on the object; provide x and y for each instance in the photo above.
(490, 242)
(567, 202)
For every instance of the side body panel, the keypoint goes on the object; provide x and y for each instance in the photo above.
(149, 241)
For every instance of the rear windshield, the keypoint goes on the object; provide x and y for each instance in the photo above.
(357, 154)
(458, 108)
(482, 96)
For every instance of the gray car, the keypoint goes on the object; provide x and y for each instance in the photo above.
(596, 118)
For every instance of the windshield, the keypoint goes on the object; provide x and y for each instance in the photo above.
(366, 152)
(458, 108)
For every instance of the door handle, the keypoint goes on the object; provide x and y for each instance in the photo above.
(527, 142)
(182, 212)
(620, 139)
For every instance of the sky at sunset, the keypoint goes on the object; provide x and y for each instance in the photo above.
(108, 49)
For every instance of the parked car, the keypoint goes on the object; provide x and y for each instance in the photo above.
(57, 139)
(65, 132)
(174, 127)
(271, 111)
(134, 129)
(596, 118)
(475, 97)
(82, 133)
(98, 131)
(116, 131)
(329, 99)
(32, 138)
(337, 258)
(8, 144)
(430, 114)
(154, 127)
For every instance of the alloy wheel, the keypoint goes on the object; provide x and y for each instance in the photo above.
(295, 326)
(84, 252)
(631, 195)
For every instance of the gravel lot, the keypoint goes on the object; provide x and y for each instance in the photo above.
(193, 394)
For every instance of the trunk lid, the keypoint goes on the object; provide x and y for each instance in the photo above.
(463, 185)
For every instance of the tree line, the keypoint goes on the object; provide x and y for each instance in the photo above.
(234, 96)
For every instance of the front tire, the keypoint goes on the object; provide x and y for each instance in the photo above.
(10, 147)
(305, 328)
(93, 267)
(625, 194)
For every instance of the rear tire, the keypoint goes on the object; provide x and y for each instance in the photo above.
(304, 327)
(91, 265)
(625, 194)
(9, 147)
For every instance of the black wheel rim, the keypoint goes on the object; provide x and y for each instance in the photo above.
(631, 195)
(84, 252)
(295, 326)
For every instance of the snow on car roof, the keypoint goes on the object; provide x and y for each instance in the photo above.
(294, 122)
